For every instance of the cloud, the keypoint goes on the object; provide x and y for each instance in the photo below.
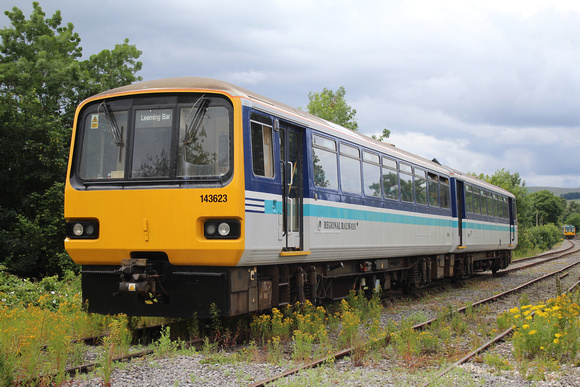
(244, 78)
(479, 85)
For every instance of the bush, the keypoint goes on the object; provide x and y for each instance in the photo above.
(546, 236)
(538, 238)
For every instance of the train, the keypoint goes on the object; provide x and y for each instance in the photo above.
(189, 194)
(569, 231)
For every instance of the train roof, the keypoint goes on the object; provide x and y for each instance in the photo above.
(188, 83)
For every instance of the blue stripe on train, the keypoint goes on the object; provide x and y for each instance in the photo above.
(321, 211)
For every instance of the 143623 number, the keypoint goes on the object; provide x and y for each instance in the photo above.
(218, 198)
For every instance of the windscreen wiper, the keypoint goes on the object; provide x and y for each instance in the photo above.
(191, 131)
(115, 132)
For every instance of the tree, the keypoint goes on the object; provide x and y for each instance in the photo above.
(42, 80)
(546, 207)
(574, 219)
(570, 208)
(386, 134)
(332, 106)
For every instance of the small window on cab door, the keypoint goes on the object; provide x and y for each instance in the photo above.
(262, 149)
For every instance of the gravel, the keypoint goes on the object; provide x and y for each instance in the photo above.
(386, 370)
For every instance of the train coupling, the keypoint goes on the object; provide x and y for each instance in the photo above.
(137, 276)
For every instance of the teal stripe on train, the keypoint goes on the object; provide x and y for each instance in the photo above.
(321, 211)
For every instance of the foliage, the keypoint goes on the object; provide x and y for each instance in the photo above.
(384, 135)
(165, 347)
(48, 293)
(574, 219)
(306, 328)
(38, 320)
(115, 344)
(42, 80)
(536, 239)
(546, 207)
(497, 362)
(545, 237)
(571, 195)
(545, 331)
(332, 106)
(570, 208)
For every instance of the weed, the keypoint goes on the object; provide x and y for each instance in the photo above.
(524, 300)
(114, 345)
(165, 346)
(8, 366)
(209, 347)
(303, 343)
(552, 332)
(458, 324)
(274, 348)
(469, 311)
(497, 362)
(216, 321)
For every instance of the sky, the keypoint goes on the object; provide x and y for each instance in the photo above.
(479, 85)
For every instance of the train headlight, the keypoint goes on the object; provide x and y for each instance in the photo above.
(90, 229)
(82, 229)
(78, 229)
(222, 229)
(210, 229)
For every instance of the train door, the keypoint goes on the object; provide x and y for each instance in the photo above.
(292, 190)
(512, 215)
(460, 211)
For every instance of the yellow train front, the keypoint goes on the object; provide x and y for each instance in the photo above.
(154, 200)
(569, 231)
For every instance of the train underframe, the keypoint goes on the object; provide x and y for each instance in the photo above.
(148, 285)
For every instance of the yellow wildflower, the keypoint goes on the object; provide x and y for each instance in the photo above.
(533, 332)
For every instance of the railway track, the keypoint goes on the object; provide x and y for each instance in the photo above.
(567, 250)
(528, 263)
(503, 335)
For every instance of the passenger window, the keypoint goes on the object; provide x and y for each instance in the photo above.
(406, 177)
(505, 208)
(262, 149)
(324, 162)
(433, 188)
(444, 192)
(476, 207)
(483, 202)
(371, 174)
(390, 179)
(495, 205)
(350, 169)
(468, 198)
(420, 186)
(489, 204)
